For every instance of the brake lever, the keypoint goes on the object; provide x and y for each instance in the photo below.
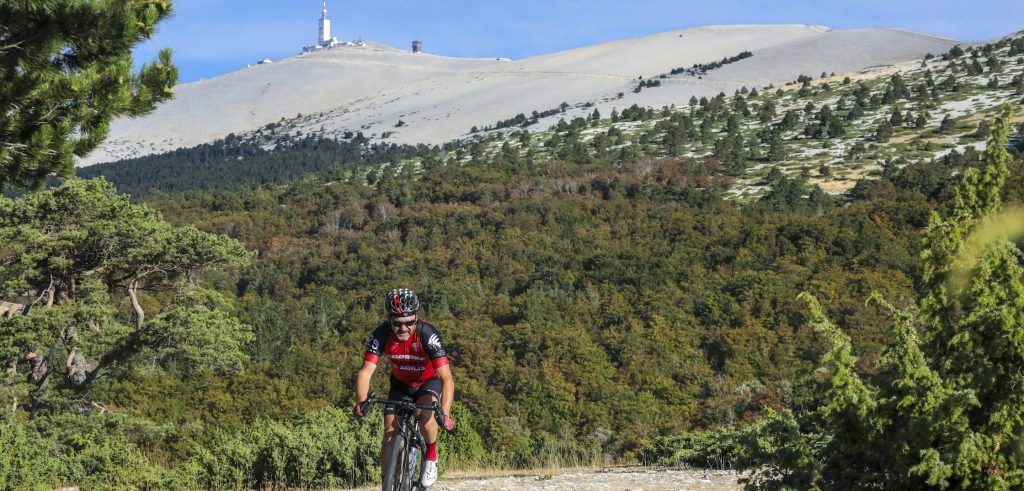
(370, 399)
(439, 415)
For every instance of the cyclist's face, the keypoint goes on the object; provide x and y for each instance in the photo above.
(402, 327)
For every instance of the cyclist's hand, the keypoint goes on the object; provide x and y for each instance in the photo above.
(449, 424)
(357, 411)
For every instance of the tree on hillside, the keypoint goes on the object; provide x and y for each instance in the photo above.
(766, 112)
(790, 120)
(947, 124)
(950, 84)
(921, 120)
(856, 151)
(983, 131)
(89, 282)
(942, 409)
(99, 280)
(883, 132)
(66, 67)
(730, 150)
(896, 117)
(830, 122)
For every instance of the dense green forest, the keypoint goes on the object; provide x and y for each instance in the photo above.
(604, 292)
(234, 162)
(940, 408)
(587, 308)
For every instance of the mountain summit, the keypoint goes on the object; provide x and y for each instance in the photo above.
(406, 97)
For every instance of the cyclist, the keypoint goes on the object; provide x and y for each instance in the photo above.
(419, 372)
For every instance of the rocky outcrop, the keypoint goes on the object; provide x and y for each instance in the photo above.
(9, 309)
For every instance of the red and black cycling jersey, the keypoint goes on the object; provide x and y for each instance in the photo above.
(414, 361)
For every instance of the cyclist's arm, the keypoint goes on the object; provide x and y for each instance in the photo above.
(363, 380)
(447, 387)
(374, 350)
(439, 359)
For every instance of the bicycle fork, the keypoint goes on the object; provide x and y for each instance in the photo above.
(411, 471)
(415, 459)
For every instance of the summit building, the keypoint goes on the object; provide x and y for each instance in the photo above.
(324, 38)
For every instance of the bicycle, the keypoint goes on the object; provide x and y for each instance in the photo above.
(403, 470)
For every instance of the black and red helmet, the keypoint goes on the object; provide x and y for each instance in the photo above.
(401, 302)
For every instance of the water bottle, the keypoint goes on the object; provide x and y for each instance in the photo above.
(413, 452)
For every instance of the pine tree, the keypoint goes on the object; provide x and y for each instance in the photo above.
(739, 105)
(731, 151)
(883, 132)
(975, 68)
(896, 118)
(950, 84)
(984, 130)
(943, 409)
(790, 120)
(921, 121)
(67, 73)
(947, 124)
(856, 151)
(94, 261)
(766, 112)
(972, 314)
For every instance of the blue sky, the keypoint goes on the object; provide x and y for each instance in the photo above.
(212, 37)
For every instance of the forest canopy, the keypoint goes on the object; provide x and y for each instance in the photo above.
(603, 300)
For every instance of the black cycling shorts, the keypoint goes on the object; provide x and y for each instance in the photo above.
(402, 392)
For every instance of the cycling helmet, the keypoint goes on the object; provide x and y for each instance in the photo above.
(401, 302)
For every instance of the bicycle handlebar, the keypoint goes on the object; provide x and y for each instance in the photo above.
(434, 406)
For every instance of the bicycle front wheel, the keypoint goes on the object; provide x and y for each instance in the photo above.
(396, 477)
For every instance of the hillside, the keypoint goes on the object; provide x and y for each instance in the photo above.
(620, 287)
(831, 129)
(424, 98)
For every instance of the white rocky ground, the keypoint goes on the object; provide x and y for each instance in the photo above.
(609, 479)
(372, 88)
(617, 479)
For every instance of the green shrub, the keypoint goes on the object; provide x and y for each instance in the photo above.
(113, 463)
(463, 447)
(25, 462)
(326, 448)
(720, 448)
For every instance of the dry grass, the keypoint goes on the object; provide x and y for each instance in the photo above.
(836, 186)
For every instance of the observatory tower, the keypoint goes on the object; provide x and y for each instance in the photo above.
(325, 28)
(323, 38)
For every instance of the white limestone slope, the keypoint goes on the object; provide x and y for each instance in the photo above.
(438, 98)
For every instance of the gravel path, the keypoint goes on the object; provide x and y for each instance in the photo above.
(606, 479)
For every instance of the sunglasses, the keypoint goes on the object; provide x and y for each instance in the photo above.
(411, 323)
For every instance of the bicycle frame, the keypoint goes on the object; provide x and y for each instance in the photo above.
(408, 447)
